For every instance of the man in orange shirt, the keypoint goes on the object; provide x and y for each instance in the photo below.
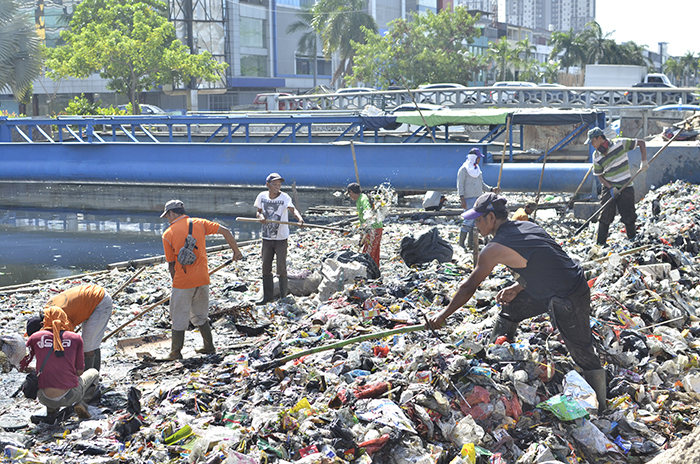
(189, 300)
(89, 305)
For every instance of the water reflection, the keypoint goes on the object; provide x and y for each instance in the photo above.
(40, 244)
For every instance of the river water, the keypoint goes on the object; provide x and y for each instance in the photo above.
(47, 244)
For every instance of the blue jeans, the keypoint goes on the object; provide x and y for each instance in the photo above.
(468, 223)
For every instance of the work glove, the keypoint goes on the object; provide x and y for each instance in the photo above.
(613, 192)
(644, 166)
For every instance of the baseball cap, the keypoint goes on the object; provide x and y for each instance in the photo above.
(477, 152)
(171, 205)
(593, 133)
(34, 324)
(273, 177)
(485, 203)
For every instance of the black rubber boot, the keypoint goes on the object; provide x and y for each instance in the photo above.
(462, 238)
(90, 360)
(596, 379)
(207, 338)
(631, 230)
(98, 360)
(268, 282)
(178, 341)
(503, 327)
(284, 286)
(602, 233)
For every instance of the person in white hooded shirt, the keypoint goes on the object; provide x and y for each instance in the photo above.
(470, 185)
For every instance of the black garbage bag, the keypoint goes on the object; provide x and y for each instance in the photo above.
(425, 248)
(347, 256)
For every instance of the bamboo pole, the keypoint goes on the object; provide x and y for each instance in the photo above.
(340, 344)
(155, 305)
(503, 157)
(354, 161)
(334, 229)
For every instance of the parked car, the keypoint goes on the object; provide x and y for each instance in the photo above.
(667, 97)
(145, 109)
(406, 107)
(356, 90)
(556, 94)
(261, 99)
(445, 95)
(508, 96)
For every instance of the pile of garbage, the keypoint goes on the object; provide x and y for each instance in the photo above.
(389, 390)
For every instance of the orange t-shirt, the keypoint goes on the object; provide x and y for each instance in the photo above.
(197, 273)
(78, 302)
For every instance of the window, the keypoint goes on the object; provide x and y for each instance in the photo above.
(300, 3)
(254, 65)
(426, 5)
(305, 66)
(252, 32)
(224, 102)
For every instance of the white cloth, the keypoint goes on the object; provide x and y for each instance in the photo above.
(275, 209)
(431, 198)
(472, 167)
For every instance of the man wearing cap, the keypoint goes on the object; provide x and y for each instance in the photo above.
(63, 378)
(470, 184)
(371, 239)
(548, 280)
(275, 205)
(89, 305)
(611, 166)
(189, 300)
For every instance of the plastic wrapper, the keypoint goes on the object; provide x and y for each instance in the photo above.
(386, 412)
(576, 388)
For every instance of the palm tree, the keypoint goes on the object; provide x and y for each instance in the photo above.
(341, 23)
(308, 42)
(689, 62)
(21, 56)
(550, 71)
(632, 53)
(503, 53)
(598, 45)
(674, 68)
(568, 45)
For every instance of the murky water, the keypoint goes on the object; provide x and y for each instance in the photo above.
(40, 244)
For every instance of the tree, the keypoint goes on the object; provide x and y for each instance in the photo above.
(427, 49)
(690, 68)
(567, 47)
(342, 23)
(308, 42)
(674, 68)
(131, 44)
(550, 72)
(504, 55)
(21, 57)
(597, 44)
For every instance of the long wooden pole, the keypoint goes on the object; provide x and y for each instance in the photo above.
(334, 229)
(354, 161)
(155, 305)
(570, 204)
(503, 157)
(340, 344)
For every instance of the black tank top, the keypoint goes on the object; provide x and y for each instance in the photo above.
(549, 271)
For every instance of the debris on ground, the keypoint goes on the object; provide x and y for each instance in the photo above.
(411, 397)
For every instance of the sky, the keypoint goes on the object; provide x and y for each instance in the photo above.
(648, 22)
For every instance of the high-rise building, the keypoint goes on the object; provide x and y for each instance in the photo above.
(554, 15)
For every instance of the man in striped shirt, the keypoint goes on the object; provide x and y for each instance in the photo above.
(611, 165)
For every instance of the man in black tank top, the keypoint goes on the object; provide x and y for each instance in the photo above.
(548, 280)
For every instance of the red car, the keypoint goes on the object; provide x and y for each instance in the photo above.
(261, 99)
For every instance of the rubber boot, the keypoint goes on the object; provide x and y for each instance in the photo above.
(207, 338)
(470, 239)
(284, 286)
(178, 341)
(98, 360)
(503, 327)
(89, 360)
(631, 230)
(602, 233)
(268, 282)
(462, 238)
(596, 379)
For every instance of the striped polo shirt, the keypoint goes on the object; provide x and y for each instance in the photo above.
(614, 166)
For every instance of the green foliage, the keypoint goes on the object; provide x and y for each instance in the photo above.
(430, 48)
(130, 43)
(21, 55)
(81, 106)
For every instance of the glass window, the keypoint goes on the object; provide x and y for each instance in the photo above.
(300, 3)
(252, 32)
(305, 66)
(224, 102)
(254, 65)
(427, 5)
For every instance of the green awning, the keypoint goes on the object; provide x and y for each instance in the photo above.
(484, 116)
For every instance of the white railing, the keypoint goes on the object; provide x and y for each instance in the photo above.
(485, 97)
